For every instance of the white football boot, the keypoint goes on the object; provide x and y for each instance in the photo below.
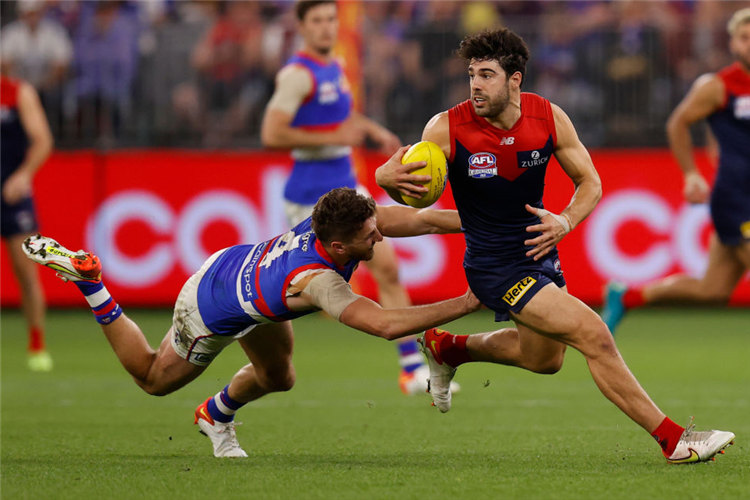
(417, 382)
(441, 374)
(222, 435)
(70, 266)
(700, 446)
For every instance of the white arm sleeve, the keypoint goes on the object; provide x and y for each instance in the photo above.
(331, 293)
(293, 84)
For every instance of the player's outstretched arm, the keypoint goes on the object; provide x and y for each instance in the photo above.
(576, 162)
(390, 324)
(397, 221)
(704, 98)
(34, 123)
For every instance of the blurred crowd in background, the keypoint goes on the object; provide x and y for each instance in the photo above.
(162, 73)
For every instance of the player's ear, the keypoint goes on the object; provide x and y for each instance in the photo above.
(516, 79)
(338, 247)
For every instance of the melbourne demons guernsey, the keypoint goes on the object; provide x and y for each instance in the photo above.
(317, 170)
(14, 141)
(494, 173)
(247, 284)
(731, 126)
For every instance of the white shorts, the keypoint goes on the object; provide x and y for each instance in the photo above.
(296, 212)
(191, 339)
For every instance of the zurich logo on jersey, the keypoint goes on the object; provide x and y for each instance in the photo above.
(482, 165)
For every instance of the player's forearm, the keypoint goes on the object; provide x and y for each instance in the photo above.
(585, 198)
(39, 150)
(399, 222)
(397, 323)
(292, 137)
(681, 144)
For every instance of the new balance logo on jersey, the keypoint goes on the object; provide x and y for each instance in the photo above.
(507, 141)
(482, 165)
(518, 290)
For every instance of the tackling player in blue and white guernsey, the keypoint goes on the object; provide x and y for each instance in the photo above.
(311, 112)
(249, 293)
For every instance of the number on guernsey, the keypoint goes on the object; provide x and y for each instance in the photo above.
(286, 242)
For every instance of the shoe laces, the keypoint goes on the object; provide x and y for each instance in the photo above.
(690, 435)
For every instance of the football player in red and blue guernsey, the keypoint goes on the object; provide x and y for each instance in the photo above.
(250, 293)
(499, 144)
(311, 113)
(25, 144)
(723, 99)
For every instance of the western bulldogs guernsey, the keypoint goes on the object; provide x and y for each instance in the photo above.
(318, 170)
(14, 140)
(730, 199)
(247, 284)
(494, 173)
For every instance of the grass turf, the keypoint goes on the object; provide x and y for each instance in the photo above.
(85, 431)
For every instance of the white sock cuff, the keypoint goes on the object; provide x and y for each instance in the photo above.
(222, 407)
(411, 359)
(98, 298)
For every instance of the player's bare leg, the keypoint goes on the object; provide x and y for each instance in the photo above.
(743, 254)
(392, 294)
(724, 271)
(32, 302)
(581, 328)
(521, 347)
(158, 372)
(269, 348)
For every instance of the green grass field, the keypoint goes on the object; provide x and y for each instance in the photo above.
(85, 431)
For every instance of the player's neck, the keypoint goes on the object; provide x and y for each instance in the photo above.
(510, 115)
(324, 57)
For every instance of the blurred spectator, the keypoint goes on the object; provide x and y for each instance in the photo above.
(231, 81)
(106, 57)
(39, 51)
(634, 60)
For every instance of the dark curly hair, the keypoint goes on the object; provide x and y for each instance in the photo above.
(302, 7)
(340, 214)
(503, 46)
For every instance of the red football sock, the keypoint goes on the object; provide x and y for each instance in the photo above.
(633, 297)
(36, 339)
(667, 435)
(453, 349)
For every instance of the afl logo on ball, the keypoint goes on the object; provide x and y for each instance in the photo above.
(482, 165)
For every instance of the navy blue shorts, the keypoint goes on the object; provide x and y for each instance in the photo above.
(18, 219)
(509, 288)
(730, 213)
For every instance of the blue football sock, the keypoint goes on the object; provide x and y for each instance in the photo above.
(222, 408)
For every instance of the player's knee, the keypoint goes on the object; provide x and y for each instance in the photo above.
(155, 389)
(549, 366)
(278, 380)
(597, 341)
(716, 296)
(387, 275)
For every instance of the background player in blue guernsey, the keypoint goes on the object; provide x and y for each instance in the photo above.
(25, 144)
(249, 293)
(311, 113)
(498, 145)
(723, 99)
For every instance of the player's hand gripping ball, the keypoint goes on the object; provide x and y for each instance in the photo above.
(437, 168)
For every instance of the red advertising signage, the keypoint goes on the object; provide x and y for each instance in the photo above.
(154, 216)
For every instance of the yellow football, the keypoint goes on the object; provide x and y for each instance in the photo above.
(437, 167)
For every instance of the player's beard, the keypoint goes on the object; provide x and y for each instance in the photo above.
(496, 105)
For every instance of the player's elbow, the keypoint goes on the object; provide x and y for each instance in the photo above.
(270, 138)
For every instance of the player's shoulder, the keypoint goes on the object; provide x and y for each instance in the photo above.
(536, 106)
(9, 90)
